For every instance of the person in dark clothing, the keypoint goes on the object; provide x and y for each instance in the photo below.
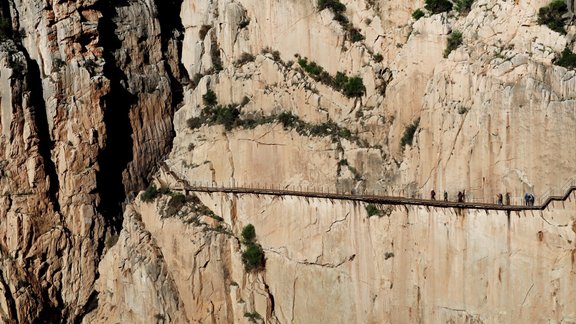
(500, 199)
(527, 199)
(507, 198)
(433, 194)
(460, 199)
(445, 196)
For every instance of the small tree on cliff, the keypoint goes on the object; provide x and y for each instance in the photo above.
(253, 255)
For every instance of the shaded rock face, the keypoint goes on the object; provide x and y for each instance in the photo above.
(93, 94)
(76, 136)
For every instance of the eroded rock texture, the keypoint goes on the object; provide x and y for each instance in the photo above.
(93, 94)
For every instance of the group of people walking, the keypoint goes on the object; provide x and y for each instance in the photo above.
(500, 198)
(461, 195)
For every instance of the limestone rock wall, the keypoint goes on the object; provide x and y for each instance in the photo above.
(68, 135)
(327, 261)
(494, 100)
(94, 93)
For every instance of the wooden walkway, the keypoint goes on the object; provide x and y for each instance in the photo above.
(388, 200)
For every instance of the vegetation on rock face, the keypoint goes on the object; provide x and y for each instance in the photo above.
(210, 98)
(249, 233)
(354, 34)
(567, 59)
(551, 15)
(438, 6)
(377, 57)
(454, 40)
(354, 87)
(149, 194)
(372, 210)
(243, 59)
(253, 256)
(222, 115)
(409, 133)
(252, 316)
(275, 54)
(338, 9)
(351, 87)
(463, 5)
(417, 14)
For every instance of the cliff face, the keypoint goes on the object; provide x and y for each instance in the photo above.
(93, 94)
(327, 261)
(78, 101)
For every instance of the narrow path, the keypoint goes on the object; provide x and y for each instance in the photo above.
(388, 200)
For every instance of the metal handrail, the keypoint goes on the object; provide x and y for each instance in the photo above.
(385, 195)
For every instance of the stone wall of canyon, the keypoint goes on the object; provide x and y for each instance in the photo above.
(94, 93)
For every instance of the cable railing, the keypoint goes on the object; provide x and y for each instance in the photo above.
(387, 196)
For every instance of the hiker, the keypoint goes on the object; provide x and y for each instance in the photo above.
(464, 195)
(500, 199)
(460, 196)
(507, 198)
(445, 196)
(527, 199)
(532, 200)
(433, 194)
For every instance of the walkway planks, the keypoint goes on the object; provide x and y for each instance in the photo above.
(388, 200)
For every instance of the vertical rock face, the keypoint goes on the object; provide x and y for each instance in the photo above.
(87, 97)
(94, 93)
(327, 261)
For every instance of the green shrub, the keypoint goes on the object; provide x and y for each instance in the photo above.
(149, 194)
(463, 6)
(551, 15)
(371, 210)
(221, 115)
(178, 200)
(310, 67)
(253, 257)
(248, 233)
(377, 57)
(438, 6)
(243, 59)
(409, 133)
(275, 54)
(354, 87)
(334, 5)
(454, 40)
(252, 316)
(194, 122)
(209, 98)
(567, 59)
(339, 81)
(462, 110)
(354, 35)
(417, 14)
(287, 119)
